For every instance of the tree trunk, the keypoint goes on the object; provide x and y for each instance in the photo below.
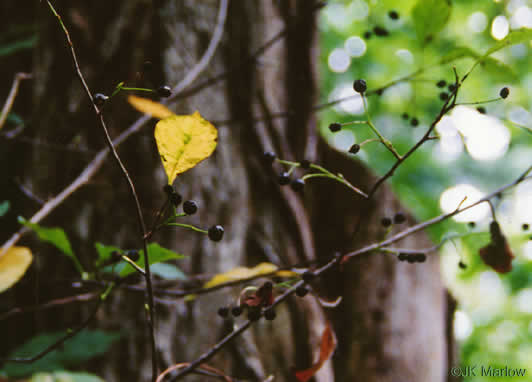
(390, 325)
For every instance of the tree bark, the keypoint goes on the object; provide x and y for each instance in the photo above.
(391, 323)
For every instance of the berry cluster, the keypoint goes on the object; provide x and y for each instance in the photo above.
(284, 177)
(190, 207)
(412, 257)
(257, 303)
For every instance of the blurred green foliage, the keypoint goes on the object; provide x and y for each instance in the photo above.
(425, 40)
(77, 350)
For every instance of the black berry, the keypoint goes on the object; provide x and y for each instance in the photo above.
(386, 222)
(420, 257)
(472, 224)
(190, 207)
(405, 116)
(367, 35)
(146, 66)
(236, 311)
(254, 314)
(116, 256)
(305, 163)
(168, 189)
(334, 127)
(525, 226)
(223, 311)
(301, 291)
(354, 149)
(505, 92)
(133, 254)
(379, 92)
(380, 31)
(451, 87)
(164, 91)
(270, 314)
(481, 110)
(399, 218)
(360, 86)
(269, 157)
(411, 259)
(462, 265)
(297, 185)
(308, 276)
(99, 99)
(444, 96)
(284, 178)
(441, 83)
(393, 15)
(402, 256)
(175, 198)
(216, 233)
(414, 122)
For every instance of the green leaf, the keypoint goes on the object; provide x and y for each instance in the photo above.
(55, 236)
(517, 36)
(14, 47)
(168, 271)
(86, 345)
(104, 252)
(15, 119)
(156, 253)
(430, 16)
(65, 376)
(4, 207)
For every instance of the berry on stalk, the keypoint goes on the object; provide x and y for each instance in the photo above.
(216, 233)
(190, 207)
(360, 86)
(164, 91)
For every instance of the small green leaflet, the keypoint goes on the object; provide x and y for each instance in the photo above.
(156, 253)
(4, 207)
(55, 236)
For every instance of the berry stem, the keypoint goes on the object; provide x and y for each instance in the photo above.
(190, 226)
(383, 140)
(480, 102)
(324, 173)
(132, 263)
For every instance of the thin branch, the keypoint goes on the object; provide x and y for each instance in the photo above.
(12, 95)
(49, 304)
(218, 346)
(209, 53)
(140, 218)
(421, 226)
(401, 235)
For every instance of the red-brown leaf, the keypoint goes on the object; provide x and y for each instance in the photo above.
(498, 256)
(328, 344)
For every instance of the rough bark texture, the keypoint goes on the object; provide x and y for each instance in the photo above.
(391, 323)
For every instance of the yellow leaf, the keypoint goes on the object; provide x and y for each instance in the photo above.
(13, 265)
(184, 141)
(148, 106)
(240, 273)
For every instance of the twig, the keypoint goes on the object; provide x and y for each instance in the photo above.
(140, 218)
(49, 304)
(12, 95)
(218, 346)
(209, 53)
(401, 235)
